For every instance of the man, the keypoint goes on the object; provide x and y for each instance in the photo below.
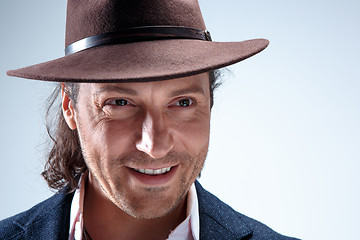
(137, 88)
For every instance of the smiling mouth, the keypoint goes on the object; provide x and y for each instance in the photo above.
(153, 172)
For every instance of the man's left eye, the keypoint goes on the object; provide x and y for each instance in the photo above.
(184, 102)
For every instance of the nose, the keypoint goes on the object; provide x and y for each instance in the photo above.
(156, 139)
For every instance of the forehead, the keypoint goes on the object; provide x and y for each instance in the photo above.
(196, 83)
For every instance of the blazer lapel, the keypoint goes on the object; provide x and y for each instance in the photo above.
(47, 220)
(218, 220)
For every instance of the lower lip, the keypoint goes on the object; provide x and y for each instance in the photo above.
(160, 179)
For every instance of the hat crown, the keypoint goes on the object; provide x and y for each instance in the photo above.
(87, 18)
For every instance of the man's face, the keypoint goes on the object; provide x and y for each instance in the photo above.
(144, 143)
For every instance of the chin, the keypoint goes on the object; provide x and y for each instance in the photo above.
(150, 207)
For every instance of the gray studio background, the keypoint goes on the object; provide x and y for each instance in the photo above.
(285, 139)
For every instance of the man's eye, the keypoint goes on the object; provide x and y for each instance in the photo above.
(117, 102)
(120, 102)
(185, 102)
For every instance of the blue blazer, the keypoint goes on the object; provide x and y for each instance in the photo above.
(50, 219)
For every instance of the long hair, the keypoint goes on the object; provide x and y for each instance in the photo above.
(65, 162)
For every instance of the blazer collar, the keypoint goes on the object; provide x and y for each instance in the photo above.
(218, 220)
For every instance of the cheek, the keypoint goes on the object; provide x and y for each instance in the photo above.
(102, 137)
(193, 134)
(119, 137)
(104, 144)
(111, 138)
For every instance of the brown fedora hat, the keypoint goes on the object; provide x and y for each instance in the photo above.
(137, 40)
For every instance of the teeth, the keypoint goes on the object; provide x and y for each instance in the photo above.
(154, 171)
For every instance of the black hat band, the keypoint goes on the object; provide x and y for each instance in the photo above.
(138, 34)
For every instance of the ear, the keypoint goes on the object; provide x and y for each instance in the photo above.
(68, 108)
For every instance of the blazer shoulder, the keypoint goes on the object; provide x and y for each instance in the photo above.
(53, 212)
(218, 218)
(262, 231)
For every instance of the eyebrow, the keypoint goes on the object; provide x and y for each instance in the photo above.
(131, 91)
(117, 89)
(185, 91)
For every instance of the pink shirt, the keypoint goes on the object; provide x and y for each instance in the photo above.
(187, 230)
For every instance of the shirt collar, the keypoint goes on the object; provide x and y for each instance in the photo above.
(76, 210)
(189, 229)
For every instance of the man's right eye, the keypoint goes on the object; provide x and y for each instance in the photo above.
(117, 102)
(120, 102)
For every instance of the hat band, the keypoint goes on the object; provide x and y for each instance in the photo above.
(137, 34)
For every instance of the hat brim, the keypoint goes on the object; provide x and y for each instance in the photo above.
(142, 61)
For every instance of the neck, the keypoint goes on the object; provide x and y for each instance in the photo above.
(104, 220)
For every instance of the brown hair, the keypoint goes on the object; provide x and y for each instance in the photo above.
(65, 162)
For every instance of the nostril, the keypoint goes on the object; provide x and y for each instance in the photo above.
(143, 147)
(157, 147)
(155, 139)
